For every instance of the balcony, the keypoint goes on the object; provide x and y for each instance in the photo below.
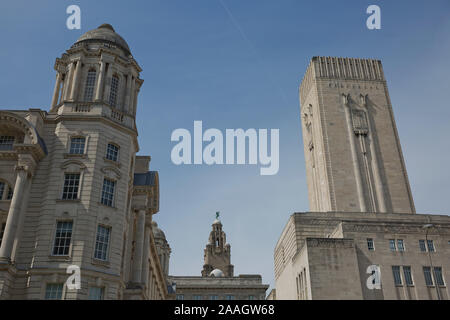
(96, 109)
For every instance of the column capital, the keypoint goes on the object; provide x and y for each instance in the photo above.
(26, 163)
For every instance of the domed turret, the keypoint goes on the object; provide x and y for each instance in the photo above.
(98, 75)
(162, 246)
(106, 34)
(217, 273)
(157, 232)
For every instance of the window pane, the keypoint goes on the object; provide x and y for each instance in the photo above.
(77, 145)
(2, 189)
(114, 91)
(392, 245)
(71, 184)
(428, 277)
(430, 244)
(108, 192)
(180, 297)
(400, 245)
(408, 276)
(197, 297)
(6, 142)
(251, 297)
(438, 276)
(112, 152)
(422, 245)
(397, 277)
(53, 291)
(214, 297)
(370, 244)
(96, 293)
(90, 84)
(10, 193)
(102, 242)
(230, 297)
(62, 238)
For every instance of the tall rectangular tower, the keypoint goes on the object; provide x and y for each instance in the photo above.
(354, 161)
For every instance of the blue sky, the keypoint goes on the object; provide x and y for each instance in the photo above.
(238, 64)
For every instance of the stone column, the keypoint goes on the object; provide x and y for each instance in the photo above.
(149, 283)
(135, 100)
(126, 100)
(56, 90)
(138, 252)
(68, 82)
(14, 214)
(76, 80)
(146, 253)
(131, 103)
(108, 83)
(100, 81)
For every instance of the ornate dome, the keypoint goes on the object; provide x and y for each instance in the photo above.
(157, 232)
(105, 33)
(217, 273)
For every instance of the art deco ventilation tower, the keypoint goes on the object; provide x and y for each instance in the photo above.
(354, 161)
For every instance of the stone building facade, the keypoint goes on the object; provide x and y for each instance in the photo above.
(73, 192)
(362, 238)
(218, 281)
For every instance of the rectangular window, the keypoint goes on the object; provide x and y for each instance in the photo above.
(71, 185)
(180, 297)
(427, 275)
(6, 142)
(53, 291)
(197, 297)
(438, 276)
(90, 85)
(96, 293)
(430, 245)
(62, 238)
(408, 275)
(392, 245)
(229, 297)
(114, 91)
(102, 243)
(370, 244)
(400, 245)
(112, 152)
(214, 297)
(2, 189)
(422, 246)
(108, 192)
(2, 232)
(251, 297)
(10, 193)
(397, 276)
(77, 145)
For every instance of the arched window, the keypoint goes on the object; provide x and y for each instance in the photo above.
(90, 85)
(114, 90)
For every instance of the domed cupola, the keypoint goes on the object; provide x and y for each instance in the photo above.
(104, 34)
(162, 247)
(98, 76)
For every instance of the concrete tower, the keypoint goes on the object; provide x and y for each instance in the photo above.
(354, 161)
(217, 253)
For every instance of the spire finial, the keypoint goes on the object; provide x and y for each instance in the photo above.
(217, 214)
